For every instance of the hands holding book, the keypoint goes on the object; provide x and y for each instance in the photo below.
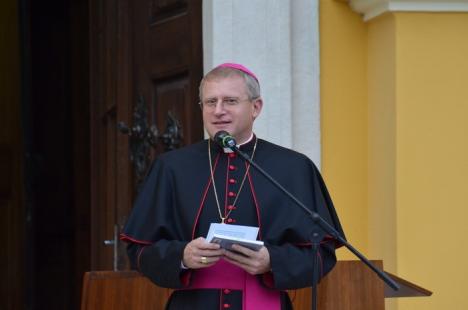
(254, 262)
(201, 254)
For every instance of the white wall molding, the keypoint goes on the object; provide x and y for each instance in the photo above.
(279, 41)
(373, 8)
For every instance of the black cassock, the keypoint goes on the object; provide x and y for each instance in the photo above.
(177, 204)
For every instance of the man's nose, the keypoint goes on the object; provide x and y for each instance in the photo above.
(219, 108)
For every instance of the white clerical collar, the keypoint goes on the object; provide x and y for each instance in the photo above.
(228, 150)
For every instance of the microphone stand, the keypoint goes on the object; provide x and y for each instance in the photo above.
(321, 222)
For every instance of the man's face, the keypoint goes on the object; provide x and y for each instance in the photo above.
(221, 114)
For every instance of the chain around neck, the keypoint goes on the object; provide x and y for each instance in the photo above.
(221, 217)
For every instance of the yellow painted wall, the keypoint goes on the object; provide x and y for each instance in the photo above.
(382, 178)
(394, 99)
(382, 140)
(344, 117)
(432, 156)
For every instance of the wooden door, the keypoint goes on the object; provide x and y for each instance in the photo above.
(146, 64)
(12, 203)
(168, 64)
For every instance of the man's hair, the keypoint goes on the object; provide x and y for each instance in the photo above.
(252, 85)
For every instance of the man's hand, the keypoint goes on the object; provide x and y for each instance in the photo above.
(200, 254)
(254, 262)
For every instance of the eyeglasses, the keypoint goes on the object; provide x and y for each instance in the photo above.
(227, 102)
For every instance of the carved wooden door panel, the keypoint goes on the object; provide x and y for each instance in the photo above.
(168, 67)
(146, 64)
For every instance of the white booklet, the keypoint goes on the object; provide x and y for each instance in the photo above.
(227, 235)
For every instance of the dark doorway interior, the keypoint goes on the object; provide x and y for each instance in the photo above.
(55, 117)
(78, 70)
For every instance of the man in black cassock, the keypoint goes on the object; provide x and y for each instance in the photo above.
(188, 189)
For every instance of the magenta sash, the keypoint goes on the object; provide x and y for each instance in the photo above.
(224, 275)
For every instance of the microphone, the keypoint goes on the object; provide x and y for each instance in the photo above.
(224, 139)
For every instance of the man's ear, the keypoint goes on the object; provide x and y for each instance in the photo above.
(257, 107)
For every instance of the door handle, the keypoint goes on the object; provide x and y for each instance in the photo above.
(115, 243)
